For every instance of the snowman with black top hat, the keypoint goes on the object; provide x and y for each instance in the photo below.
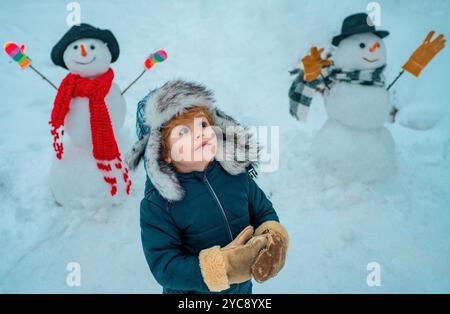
(354, 143)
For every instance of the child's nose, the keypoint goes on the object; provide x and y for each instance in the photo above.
(374, 47)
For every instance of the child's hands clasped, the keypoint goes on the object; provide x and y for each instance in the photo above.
(261, 253)
(240, 254)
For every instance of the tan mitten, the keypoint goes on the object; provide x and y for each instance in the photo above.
(271, 259)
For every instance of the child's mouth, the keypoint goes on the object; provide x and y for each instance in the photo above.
(202, 144)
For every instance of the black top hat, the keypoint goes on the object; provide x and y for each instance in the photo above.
(84, 31)
(356, 24)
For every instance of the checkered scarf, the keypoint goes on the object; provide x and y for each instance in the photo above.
(302, 92)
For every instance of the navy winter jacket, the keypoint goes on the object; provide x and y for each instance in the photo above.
(215, 209)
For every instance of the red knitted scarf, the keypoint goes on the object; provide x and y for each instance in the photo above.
(105, 149)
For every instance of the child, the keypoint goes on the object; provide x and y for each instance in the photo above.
(200, 204)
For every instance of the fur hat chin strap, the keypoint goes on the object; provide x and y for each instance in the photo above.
(236, 149)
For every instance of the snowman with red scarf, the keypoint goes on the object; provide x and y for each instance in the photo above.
(88, 170)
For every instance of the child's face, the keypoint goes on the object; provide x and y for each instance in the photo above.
(192, 145)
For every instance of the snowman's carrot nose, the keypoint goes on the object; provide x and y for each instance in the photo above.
(83, 50)
(374, 47)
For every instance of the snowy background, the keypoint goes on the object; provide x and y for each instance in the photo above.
(242, 49)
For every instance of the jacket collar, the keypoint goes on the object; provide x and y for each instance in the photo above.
(211, 169)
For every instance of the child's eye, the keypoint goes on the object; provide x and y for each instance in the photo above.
(183, 131)
(205, 124)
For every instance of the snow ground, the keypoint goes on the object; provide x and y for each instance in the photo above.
(243, 50)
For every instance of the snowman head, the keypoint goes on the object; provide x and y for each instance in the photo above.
(86, 50)
(360, 52)
(87, 57)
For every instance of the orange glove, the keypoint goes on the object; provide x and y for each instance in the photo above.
(313, 63)
(423, 55)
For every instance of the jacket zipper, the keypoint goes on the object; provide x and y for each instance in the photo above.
(205, 180)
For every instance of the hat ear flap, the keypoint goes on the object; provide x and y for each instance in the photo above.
(136, 154)
(236, 147)
(160, 173)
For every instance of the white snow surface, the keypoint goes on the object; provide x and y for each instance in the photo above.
(243, 50)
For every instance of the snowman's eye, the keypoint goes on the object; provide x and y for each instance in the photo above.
(75, 47)
(92, 47)
(362, 45)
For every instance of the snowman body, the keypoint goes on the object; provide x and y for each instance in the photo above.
(75, 180)
(358, 106)
(354, 144)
